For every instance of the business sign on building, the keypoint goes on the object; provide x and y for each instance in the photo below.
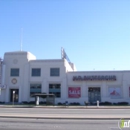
(74, 92)
(95, 78)
(114, 92)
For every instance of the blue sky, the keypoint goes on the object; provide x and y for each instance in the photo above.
(94, 33)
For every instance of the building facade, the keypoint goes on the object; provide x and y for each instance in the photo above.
(22, 74)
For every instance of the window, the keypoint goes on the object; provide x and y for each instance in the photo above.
(55, 89)
(54, 72)
(35, 89)
(14, 72)
(36, 72)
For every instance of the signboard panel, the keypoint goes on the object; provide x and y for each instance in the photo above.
(74, 92)
(95, 78)
(115, 92)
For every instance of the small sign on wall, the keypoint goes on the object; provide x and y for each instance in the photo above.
(115, 92)
(74, 92)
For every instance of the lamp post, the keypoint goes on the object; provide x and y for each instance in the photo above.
(13, 96)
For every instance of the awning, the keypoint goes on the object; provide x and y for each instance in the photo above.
(43, 95)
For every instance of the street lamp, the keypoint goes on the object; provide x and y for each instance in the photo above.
(13, 96)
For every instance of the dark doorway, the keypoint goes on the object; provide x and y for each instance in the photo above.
(94, 94)
(14, 95)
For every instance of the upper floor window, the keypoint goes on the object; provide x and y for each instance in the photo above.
(55, 72)
(36, 72)
(14, 72)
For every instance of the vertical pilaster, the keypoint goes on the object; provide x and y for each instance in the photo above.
(7, 93)
(64, 89)
(103, 89)
(44, 86)
(20, 94)
(125, 89)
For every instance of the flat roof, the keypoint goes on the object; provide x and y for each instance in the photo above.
(42, 95)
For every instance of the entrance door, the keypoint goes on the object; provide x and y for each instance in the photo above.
(14, 95)
(94, 94)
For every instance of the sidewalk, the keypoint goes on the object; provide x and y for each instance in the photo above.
(65, 107)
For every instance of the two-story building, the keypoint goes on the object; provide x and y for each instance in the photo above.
(23, 74)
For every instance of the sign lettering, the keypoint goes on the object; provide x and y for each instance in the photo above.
(95, 78)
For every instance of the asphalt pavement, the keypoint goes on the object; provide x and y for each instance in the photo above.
(61, 119)
(45, 113)
(57, 124)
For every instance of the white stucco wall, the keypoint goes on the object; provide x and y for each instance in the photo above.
(25, 61)
(16, 60)
(122, 82)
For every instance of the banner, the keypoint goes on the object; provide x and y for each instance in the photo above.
(74, 92)
(115, 92)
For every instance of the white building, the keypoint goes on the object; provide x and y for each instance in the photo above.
(22, 73)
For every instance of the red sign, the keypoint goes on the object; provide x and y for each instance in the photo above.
(74, 92)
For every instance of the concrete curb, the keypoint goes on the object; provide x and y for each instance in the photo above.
(68, 107)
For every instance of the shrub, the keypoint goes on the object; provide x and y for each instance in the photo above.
(2, 102)
(74, 103)
(49, 103)
(41, 102)
(122, 103)
(78, 103)
(31, 102)
(105, 103)
(59, 103)
(25, 102)
(115, 103)
(108, 103)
